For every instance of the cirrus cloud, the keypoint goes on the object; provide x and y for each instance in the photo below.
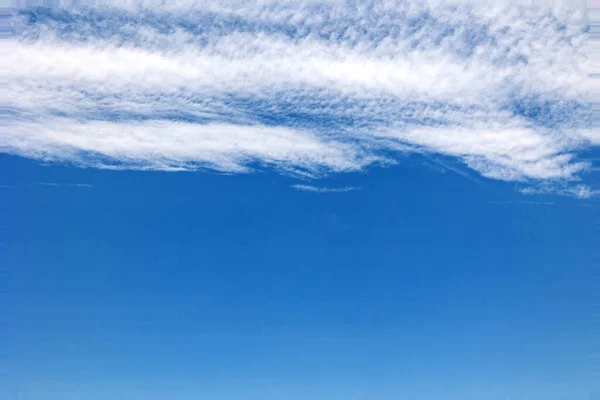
(312, 88)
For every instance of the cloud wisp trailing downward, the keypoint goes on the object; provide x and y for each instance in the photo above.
(311, 88)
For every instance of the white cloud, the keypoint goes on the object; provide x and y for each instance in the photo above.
(499, 152)
(313, 90)
(167, 145)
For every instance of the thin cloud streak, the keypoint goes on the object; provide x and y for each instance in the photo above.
(321, 189)
(60, 184)
(542, 203)
(580, 191)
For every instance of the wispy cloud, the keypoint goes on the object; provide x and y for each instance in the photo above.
(580, 191)
(57, 184)
(541, 203)
(301, 88)
(322, 189)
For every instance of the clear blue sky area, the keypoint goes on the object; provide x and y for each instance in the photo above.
(420, 284)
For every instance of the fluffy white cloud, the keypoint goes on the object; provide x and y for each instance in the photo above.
(312, 88)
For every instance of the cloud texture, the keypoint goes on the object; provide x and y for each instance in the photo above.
(310, 88)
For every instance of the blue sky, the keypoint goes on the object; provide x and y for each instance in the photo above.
(420, 285)
(323, 200)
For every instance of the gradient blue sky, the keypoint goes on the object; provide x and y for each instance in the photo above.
(357, 200)
(420, 285)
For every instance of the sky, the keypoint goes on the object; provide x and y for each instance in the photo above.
(323, 200)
